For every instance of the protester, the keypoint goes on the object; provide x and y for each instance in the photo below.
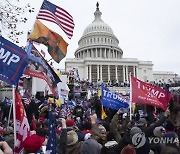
(80, 131)
(117, 126)
(110, 147)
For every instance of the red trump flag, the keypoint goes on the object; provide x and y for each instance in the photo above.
(22, 125)
(147, 94)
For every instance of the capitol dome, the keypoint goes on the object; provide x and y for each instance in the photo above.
(98, 40)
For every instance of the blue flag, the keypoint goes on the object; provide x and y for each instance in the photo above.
(13, 60)
(112, 100)
(51, 144)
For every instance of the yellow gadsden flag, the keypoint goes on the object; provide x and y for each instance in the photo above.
(57, 46)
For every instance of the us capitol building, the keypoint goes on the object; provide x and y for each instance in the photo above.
(99, 57)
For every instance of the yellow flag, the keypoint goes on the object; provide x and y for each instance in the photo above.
(57, 46)
(57, 101)
(99, 92)
(103, 114)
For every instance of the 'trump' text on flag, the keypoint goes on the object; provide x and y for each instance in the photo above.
(145, 93)
(13, 60)
(112, 100)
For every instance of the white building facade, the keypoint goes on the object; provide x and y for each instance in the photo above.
(99, 57)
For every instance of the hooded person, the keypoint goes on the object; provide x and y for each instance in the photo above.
(158, 132)
(90, 146)
(172, 140)
(103, 135)
(143, 146)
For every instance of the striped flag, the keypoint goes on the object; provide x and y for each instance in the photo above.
(57, 15)
(22, 125)
(26, 100)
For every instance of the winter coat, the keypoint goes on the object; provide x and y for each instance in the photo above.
(110, 148)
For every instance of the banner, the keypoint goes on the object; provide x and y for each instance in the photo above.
(112, 100)
(145, 93)
(13, 60)
(38, 67)
(22, 125)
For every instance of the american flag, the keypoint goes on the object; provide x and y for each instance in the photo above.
(51, 144)
(57, 15)
(26, 100)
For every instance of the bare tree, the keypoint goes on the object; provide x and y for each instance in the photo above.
(10, 16)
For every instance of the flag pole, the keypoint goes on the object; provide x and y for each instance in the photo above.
(130, 103)
(14, 113)
(9, 116)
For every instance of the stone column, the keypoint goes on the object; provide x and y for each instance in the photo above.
(96, 53)
(108, 73)
(137, 72)
(86, 72)
(127, 75)
(90, 73)
(109, 53)
(92, 53)
(124, 75)
(97, 72)
(134, 70)
(101, 72)
(116, 73)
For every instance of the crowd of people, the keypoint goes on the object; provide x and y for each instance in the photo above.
(80, 128)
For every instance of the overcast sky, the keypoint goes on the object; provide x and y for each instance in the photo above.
(148, 30)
